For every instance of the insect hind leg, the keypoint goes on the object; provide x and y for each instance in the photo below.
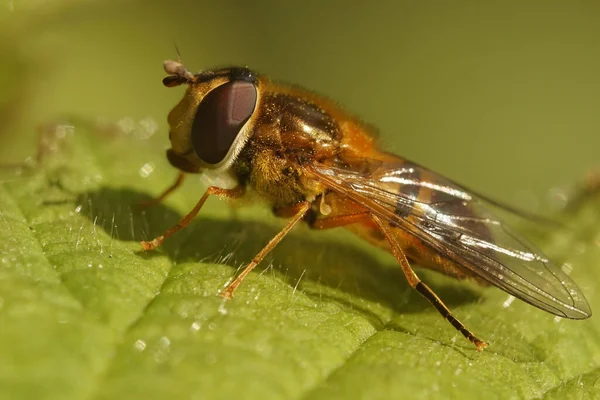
(447, 314)
(416, 283)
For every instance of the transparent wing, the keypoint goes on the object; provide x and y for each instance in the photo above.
(457, 224)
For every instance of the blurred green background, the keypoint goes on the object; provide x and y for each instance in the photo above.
(501, 96)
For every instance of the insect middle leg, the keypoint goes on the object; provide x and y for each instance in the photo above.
(212, 190)
(299, 210)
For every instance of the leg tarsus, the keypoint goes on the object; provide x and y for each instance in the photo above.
(213, 190)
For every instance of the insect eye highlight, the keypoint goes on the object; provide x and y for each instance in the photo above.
(220, 117)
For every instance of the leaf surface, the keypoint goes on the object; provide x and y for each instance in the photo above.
(85, 314)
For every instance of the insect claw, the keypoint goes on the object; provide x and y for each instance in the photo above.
(480, 345)
(148, 246)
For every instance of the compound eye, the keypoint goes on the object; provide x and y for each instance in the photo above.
(220, 117)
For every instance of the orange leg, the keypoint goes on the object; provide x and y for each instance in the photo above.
(416, 283)
(213, 190)
(299, 210)
(340, 220)
(412, 278)
(164, 194)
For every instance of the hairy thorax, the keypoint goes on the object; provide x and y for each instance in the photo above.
(292, 133)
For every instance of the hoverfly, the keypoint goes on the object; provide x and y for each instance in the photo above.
(311, 161)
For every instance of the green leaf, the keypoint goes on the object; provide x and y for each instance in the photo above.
(84, 314)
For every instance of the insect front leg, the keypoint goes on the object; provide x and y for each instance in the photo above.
(213, 190)
(416, 283)
(298, 210)
(174, 186)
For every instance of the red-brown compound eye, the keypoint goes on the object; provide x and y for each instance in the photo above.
(219, 119)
